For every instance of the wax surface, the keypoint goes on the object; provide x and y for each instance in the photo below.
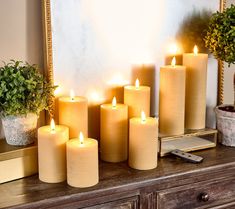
(137, 99)
(74, 114)
(52, 153)
(172, 100)
(143, 143)
(82, 163)
(195, 103)
(113, 132)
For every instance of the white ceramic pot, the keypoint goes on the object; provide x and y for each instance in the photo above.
(20, 130)
(226, 126)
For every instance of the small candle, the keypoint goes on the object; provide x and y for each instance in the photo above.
(52, 152)
(82, 162)
(73, 112)
(143, 142)
(137, 98)
(113, 131)
(172, 99)
(196, 76)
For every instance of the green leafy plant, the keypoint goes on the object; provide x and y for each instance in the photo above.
(220, 37)
(23, 89)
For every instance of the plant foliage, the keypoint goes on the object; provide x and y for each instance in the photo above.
(23, 89)
(220, 37)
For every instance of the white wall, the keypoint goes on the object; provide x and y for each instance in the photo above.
(21, 32)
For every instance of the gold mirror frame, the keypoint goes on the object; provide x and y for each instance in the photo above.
(48, 53)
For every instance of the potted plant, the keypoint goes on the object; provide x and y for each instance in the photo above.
(23, 94)
(220, 40)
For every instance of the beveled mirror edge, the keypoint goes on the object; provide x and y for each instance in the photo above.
(48, 53)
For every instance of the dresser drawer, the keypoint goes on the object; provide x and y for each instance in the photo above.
(198, 195)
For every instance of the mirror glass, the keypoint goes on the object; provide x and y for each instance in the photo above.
(97, 45)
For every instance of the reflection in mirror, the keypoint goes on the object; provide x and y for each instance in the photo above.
(99, 46)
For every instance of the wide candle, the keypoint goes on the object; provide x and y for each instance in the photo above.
(196, 76)
(52, 152)
(73, 112)
(82, 162)
(113, 131)
(143, 142)
(172, 99)
(137, 98)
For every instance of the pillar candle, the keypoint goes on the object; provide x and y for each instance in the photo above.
(73, 112)
(172, 99)
(196, 75)
(113, 132)
(52, 153)
(143, 142)
(82, 162)
(147, 74)
(137, 98)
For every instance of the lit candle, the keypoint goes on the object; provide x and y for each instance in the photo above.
(113, 131)
(137, 98)
(82, 162)
(73, 112)
(196, 76)
(143, 142)
(52, 152)
(172, 99)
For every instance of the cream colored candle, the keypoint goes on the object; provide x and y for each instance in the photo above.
(137, 98)
(52, 152)
(172, 99)
(143, 142)
(196, 76)
(73, 112)
(82, 162)
(147, 74)
(113, 132)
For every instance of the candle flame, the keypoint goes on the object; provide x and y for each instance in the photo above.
(195, 50)
(143, 116)
(52, 125)
(72, 94)
(114, 102)
(137, 83)
(81, 138)
(173, 62)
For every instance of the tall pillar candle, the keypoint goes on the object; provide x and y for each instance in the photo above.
(52, 153)
(82, 162)
(172, 99)
(196, 76)
(143, 142)
(73, 112)
(137, 98)
(113, 132)
(147, 74)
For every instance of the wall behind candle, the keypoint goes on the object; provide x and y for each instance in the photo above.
(21, 32)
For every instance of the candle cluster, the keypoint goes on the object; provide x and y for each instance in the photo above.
(127, 132)
(183, 94)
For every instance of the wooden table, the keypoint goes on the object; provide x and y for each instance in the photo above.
(173, 184)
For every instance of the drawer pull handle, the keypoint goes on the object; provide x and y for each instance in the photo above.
(205, 197)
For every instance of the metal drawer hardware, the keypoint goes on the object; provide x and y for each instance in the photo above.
(204, 197)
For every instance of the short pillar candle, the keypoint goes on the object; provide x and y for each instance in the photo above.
(52, 152)
(73, 112)
(172, 99)
(113, 132)
(82, 162)
(143, 142)
(137, 98)
(196, 76)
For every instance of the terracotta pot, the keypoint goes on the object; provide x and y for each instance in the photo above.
(20, 130)
(226, 126)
